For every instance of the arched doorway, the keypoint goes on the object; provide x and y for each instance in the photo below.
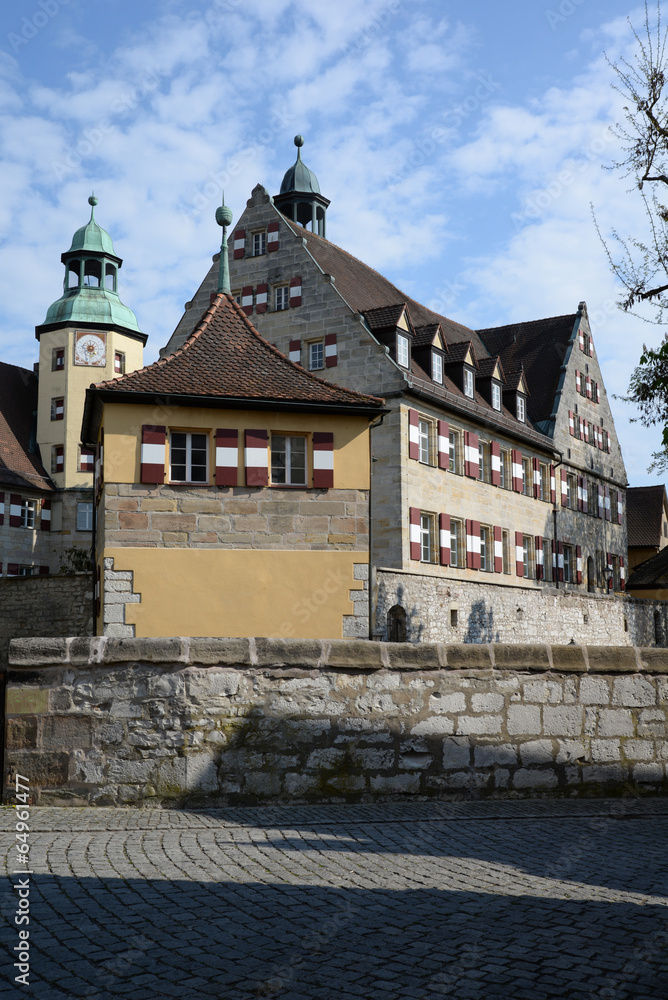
(396, 624)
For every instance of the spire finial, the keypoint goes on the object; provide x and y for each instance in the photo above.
(299, 142)
(92, 201)
(224, 218)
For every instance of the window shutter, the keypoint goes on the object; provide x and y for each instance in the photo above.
(620, 500)
(564, 488)
(588, 387)
(540, 558)
(247, 299)
(581, 340)
(331, 353)
(553, 484)
(272, 237)
(571, 423)
(585, 494)
(153, 453)
(536, 477)
(227, 456)
(256, 458)
(87, 460)
(471, 455)
(295, 292)
(14, 510)
(295, 351)
(444, 449)
(414, 514)
(495, 452)
(560, 560)
(261, 298)
(609, 569)
(580, 493)
(519, 553)
(578, 381)
(498, 550)
(517, 470)
(444, 538)
(99, 465)
(591, 346)
(578, 564)
(323, 460)
(414, 435)
(597, 393)
(2, 508)
(601, 501)
(44, 571)
(60, 458)
(585, 428)
(607, 442)
(45, 520)
(473, 544)
(608, 513)
(12, 569)
(622, 573)
(239, 243)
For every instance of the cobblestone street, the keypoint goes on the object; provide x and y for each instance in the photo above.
(489, 900)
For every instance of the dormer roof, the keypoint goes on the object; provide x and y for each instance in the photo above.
(516, 382)
(389, 318)
(430, 335)
(462, 354)
(491, 368)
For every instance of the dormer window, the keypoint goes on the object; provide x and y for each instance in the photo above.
(437, 367)
(468, 383)
(496, 396)
(402, 350)
(521, 408)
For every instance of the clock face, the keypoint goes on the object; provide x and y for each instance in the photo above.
(90, 349)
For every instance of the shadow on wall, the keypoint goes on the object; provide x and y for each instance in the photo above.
(481, 624)
(397, 624)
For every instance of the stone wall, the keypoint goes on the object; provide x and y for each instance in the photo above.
(197, 721)
(44, 606)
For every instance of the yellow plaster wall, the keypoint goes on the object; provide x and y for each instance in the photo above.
(123, 422)
(239, 592)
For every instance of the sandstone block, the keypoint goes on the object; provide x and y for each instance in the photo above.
(566, 720)
(633, 692)
(605, 750)
(478, 724)
(36, 652)
(490, 756)
(395, 784)
(615, 722)
(537, 752)
(288, 652)
(434, 727)
(648, 772)
(173, 522)
(360, 654)
(570, 751)
(132, 521)
(594, 691)
(66, 732)
(212, 683)
(491, 702)
(542, 691)
(21, 734)
(142, 650)
(639, 749)
(523, 720)
(43, 769)
(525, 778)
(568, 659)
(467, 656)
(514, 657)
(200, 505)
(412, 656)
(447, 703)
(654, 661)
(226, 652)
(157, 504)
(612, 659)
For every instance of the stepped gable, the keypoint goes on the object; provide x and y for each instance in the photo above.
(226, 357)
(644, 512)
(539, 347)
(20, 463)
(652, 574)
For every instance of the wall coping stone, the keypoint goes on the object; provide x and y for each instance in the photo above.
(336, 654)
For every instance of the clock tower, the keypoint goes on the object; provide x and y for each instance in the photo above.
(88, 336)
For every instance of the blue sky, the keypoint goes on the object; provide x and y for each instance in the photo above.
(461, 145)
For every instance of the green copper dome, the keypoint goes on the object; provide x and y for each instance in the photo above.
(299, 177)
(91, 236)
(91, 305)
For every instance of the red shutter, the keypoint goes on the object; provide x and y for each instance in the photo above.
(564, 491)
(12, 569)
(2, 508)
(536, 477)
(560, 560)
(517, 470)
(261, 293)
(540, 558)
(607, 442)
(331, 351)
(588, 386)
(87, 462)
(553, 484)
(272, 237)
(498, 550)
(239, 243)
(611, 580)
(600, 512)
(620, 500)
(45, 520)
(597, 393)
(256, 458)
(227, 456)
(44, 571)
(153, 453)
(591, 347)
(571, 423)
(622, 573)
(295, 351)
(471, 455)
(14, 510)
(295, 292)
(247, 299)
(578, 381)
(519, 554)
(323, 460)
(413, 435)
(608, 512)
(495, 453)
(444, 449)
(580, 492)
(578, 564)
(414, 517)
(473, 544)
(585, 494)
(444, 538)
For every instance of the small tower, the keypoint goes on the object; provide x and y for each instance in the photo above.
(300, 199)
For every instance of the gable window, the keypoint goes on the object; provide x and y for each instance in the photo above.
(457, 551)
(402, 350)
(426, 439)
(455, 452)
(281, 298)
(427, 537)
(28, 512)
(119, 363)
(288, 460)
(188, 457)
(437, 367)
(58, 408)
(259, 244)
(521, 408)
(316, 355)
(84, 517)
(468, 383)
(58, 359)
(496, 396)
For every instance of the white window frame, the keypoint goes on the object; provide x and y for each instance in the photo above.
(455, 452)
(485, 461)
(427, 533)
(437, 367)
(568, 563)
(505, 545)
(496, 396)
(188, 463)
(521, 409)
(527, 477)
(456, 537)
(260, 240)
(424, 441)
(403, 354)
(468, 383)
(28, 513)
(316, 355)
(281, 298)
(85, 514)
(119, 357)
(486, 549)
(505, 472)
(289, 438)
(527, 556)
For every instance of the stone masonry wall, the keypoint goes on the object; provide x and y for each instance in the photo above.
(44, 606)
(203, 721)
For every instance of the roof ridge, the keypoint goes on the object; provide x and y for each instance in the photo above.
(528, 322)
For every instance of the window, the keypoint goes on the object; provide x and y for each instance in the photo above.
(521, 408)
(527, 556)
(468, 383)
(527, 477)
(28, 513)
(57, 458)
(544, 482)
(437, 367)
(505, 539)
(402, 350)
(58, 359)
(457, 549)
(506, 474)
(547, 559)
(119, 363)
(614, 511)
(86, 460)
(316, 355)
(485, 461)
(568, 564)
(84, 517)
(665, 529)
(426, 435)
(92, 273)
(572, 492)
(496, 396)
(592, 497)
(288, 460)
(22, 570)
(188, 457)
(58, 408)
(486, 550)
(281, 298)
(236, 295)
(110, 277)
(455, 456)
(259, 244)
(427, 537)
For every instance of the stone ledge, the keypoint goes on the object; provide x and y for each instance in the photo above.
(337, 654)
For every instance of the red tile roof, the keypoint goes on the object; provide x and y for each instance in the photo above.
(20, 463)
(644, 511)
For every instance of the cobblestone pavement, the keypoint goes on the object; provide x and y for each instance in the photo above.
(492, 900)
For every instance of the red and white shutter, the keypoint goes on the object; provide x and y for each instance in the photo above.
(60, 458)
(581, 339)
(571, 423)
(471, 455)
(517, 470)
(607, 442)
(256, 458)
(153, 453)
(443, 447)
(553, 484)
(564, 488)
(227, 456)
(261, 293)
(620, 500)
(45, 520)
(585, 427)
(495, 460)
(414, 528)
(44, 571)
(2, 508)
(540, 558)
(608, 512)
(295, 350)
(585, 495)
(295, 292)
(87, 460)
(535, 462)
(444, 538)
(588, 387)
(580, 493)
(472, 544)
(560, 560)
(519, 554)
(247, 299)
(578, 564)
(12, 569)
(59, 408)
(610, 571)
(323, 460)
(498, 550)
(14, 510)
(622, 573)
(597, 393)
(331, 350)
(239, 243)
(272, 237)
(601, 501)
(414, 435)
(591, 346)
(578, 381)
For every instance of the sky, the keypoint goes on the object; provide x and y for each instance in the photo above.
(462, 144)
